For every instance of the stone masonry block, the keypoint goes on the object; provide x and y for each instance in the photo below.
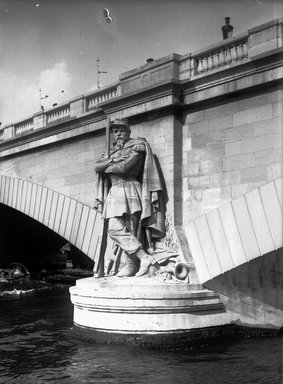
(215, 179)
(86, 156)
(264, 47)
(268, 156)
(275, 95)
(215, 150)
(187, 144)
(197, 194)
(187, 193)
(201, 140)
(194, 117)
(77, 107)
(261, 143)
(38, 121)
(239, 190)
(231, 134)
(231, 177)
(200, 128)
(208, 205)
(252, 115)
(222, 110)
(254, 174)
(264, 39)
(252, 102)
(277, 109)
(79, 179)
(198, 181)
(211, 193)
(210, 166)
(226, 192)
(207, 152)
(267, 127)
(55, 184)
(263, 33)
(196, 154)
(233, 148)
(220, 123)
(238, 133)
(232, 163)
(245, 131)
(186, 131)
(190, 169)
(82, 188)
(274, 171)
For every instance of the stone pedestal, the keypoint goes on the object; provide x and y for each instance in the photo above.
(147, 312)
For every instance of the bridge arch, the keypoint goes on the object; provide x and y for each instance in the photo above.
(237, 232)
(76, 222)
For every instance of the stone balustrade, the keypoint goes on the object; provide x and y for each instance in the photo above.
(101, 96)
(23, 127)
(58, 114)
(220, 57)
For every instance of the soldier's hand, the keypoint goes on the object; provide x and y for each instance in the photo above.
(119, 159)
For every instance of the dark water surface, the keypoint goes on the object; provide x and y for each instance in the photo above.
(38, 346)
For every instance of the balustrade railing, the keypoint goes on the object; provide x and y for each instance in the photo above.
(23, 127)
(60, 113)
(101, 96)
(226, 55)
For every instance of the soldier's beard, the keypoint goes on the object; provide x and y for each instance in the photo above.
(120, 143)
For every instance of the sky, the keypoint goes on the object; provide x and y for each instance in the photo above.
(53, 45)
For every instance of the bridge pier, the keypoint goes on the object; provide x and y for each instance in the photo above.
(214, 121)
(146, 312)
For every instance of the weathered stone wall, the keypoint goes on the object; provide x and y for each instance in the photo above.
(65, 167)
(230, 148)
(68, 167)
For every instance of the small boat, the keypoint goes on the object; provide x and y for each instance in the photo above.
(14, 278)
(14, 271)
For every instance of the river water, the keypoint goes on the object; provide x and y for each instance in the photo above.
(38, 346)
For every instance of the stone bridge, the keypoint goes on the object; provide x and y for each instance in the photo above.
(214, 121)
(75, 222)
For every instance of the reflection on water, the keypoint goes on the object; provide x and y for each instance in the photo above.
(38, 346)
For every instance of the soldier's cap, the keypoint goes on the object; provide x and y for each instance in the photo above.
(119, 122)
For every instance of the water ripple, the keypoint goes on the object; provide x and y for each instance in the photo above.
(38, 346)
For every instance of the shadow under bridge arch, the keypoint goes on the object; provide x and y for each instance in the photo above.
(77, 223)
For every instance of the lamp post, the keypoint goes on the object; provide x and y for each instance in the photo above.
(98, 72)
(227, 29)
(41, 98)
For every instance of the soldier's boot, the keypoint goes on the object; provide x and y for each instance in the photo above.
(146, 261)
(129, 269)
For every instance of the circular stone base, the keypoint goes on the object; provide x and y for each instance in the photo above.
(145, 312)
(174, 341)
(151, 313)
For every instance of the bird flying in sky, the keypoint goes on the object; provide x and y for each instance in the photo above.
(107, 16)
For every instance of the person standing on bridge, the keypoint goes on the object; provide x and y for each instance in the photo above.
(133, 204)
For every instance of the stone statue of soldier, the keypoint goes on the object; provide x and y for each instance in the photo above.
(129, 195)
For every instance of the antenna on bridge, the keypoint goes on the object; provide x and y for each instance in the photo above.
(41, 98)
(99, 72)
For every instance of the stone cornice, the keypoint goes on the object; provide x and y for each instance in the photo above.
(93, 121)
(55, 133)
(258, 72)
(262, 71)
(171, 88)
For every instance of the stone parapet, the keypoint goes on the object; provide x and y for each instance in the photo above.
(229, 65)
